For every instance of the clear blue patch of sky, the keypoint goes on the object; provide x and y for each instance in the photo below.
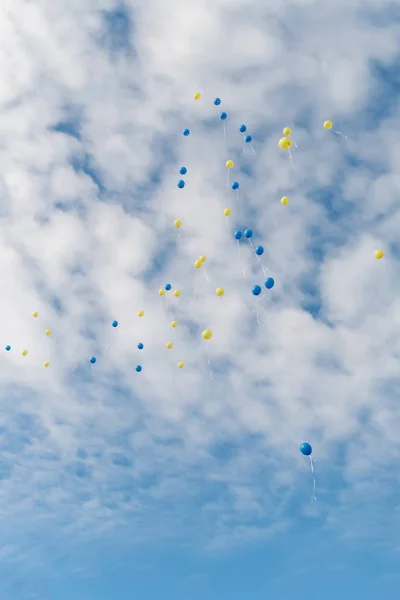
(71, 123)
(118, 31)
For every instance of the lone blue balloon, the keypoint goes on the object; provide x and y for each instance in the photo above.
(138, 368)
(259, 250)
(223, 116)
(217, 101)
(306, 449)
(8, 348)
(269, 283)
(168, 287)
(114, 323)
(186, 132)
(248, 233)
(140, 346)
(237, 234)
(183, 170)
(235, 185)
(248, 139)
(256, 291)
(242, 128)
(181, 184)
(93, 360)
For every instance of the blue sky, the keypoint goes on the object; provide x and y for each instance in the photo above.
(175, 483)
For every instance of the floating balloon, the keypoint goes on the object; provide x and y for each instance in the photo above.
(161, 292)
(269, 283)
(203, 259)
(186, 132)
(169, 345)
(177, 223)
(248, 233)
(287, 131)
(141, 313)
(248, 139)
(168, 287)
(328, 125)
(284, 200)
(48, 332)
(223, 116)
(181, 364)
(217, 101)
(177, 293)
(243, 129)
(196, 96)
(35, 315)
(174, 324)
(256, 291)
(24, 352)
(237, 235)
(306, 449)
(379, 254)
(140, 346)
(198, 264)
(259, 250)
(8, 348)
(47, 364)
(229, 164)
(285, 143)
(227, 212)
(235, 186)
(93, 360)
(138, 368)
(207, 334)
(183, 170)
(181, 184)
(114, 323)
(220, 292)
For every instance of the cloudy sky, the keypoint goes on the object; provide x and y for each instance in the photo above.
(175, 483)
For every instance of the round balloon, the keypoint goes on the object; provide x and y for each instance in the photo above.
(177, 223)
(269, 283)
(114, 323)
(229, 164)
(207, 334)
(256, 291)
(181, 364)
(8, 348)
(306, 449)
(328, 124)
(177, 293)
(248, 233)
(220, 291)
(284, 200)
(248, 139)
(138, 368)
(243, 129)
(238, 234)
(181, 184)
(285, 143)
(217, 101)
(93, 360)
(235, 185)
(140, 346)
(168, 287)
(379, 254)
(223, 116)
(259, 250)
(183, 170)
(227, 212)
(287, 131)
(186, 132)
(196, 96)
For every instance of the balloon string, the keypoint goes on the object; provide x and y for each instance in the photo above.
(295, 145)
(225, 134)
(339, 133)
(258, 258)
(209, 363)
(206, 276)
(313, 476)
(291, 158)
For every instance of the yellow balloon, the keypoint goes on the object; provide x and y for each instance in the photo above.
(229, 164)
(48, 332)
(197, 96)
(227, 212)
(181, 365)
(141, 313)
(285, 143)
(24, 352)
(287, 131)
(47, 364)
(161, 292)
(169, 345)
(207, 334)
(203, 259)
(177, 293)
(174, 324)
(328, 124)
(35, 314)
(220, 291)
(198, 264)
(379, 254)
(284, 200)
(177, 223)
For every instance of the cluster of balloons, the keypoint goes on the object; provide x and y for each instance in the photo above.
(25, 352)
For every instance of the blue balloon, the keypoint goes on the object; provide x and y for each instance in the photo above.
(140, 346)
(242, 128)
(8, 348)
(138, 368)
(259, 250)
(217, 101)
(168, 287)
(269, 283)
(186, 132)
(114, 323)
(181, 184)
(235, 185)
(93, 360)
(248, 139)
(306, 449)
(248, 233)
(223, 116)
(183, 170)
(256, 291)
(237, 234)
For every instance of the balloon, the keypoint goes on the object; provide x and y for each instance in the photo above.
(248, 139)
(223, 116)
(269, 283)
(47, 364)
(237, 234)
(161, 292)
(93, 360)
(198, 264)
(287, 131)
(220, 292)
(306, 449)
(177, 293)
(227, 212)
(181, 365)
(285, 143)
(138, 368)
(114, 323)
(328, 124)
(242, 128)
(181, 184)
(256, 291)
(48, 332)
(140, 346)
(203, 259)
(186, 132)
(174, 324)
(168, 287)
(196, 96)
(24, 352)
(379, 254)
(229, 164)
(8, 348)
(259, 250)
(141, 313)
(284, 200)
(217, 101)
(35, 314)
(183, 170)
(207, 334)
(177, 223)
(169, 345)
(235, 185)
(248, 233)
